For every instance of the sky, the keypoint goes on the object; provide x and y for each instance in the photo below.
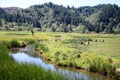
(75, 3)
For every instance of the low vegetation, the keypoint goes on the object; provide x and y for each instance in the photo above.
(10, 70)
(97, 53)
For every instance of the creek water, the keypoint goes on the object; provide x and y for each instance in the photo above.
(23, 57)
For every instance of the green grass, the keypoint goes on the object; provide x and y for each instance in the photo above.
(109, 48)
(10, 70)
(73, 50)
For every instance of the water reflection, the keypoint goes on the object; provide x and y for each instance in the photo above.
(21, 57)
(24, 58)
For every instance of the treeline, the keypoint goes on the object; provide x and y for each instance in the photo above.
(57, 18)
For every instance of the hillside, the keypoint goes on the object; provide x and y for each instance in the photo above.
(50, 17)
(11, 9)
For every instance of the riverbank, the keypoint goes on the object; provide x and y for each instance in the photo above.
(100, 61)
(76, 69)
(11, 70)
(47, 64)
(18, 54)
(30, 50)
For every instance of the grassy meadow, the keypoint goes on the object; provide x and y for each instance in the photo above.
(11, 70)
(93, 52)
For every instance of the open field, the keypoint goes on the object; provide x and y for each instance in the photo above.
(93, 52)
(109, 48)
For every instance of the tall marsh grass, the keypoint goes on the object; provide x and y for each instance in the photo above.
(10, 70)
(103, 67)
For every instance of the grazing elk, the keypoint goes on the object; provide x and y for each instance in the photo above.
(58, 38)
(103, 41)
(96, 40)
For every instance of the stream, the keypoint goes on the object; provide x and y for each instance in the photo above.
(22, 56)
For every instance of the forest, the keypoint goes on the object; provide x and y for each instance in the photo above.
(49, 17)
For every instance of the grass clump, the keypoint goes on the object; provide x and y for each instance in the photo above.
(103, 67)
(29, 40)
(41, 47)
(14, 43)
